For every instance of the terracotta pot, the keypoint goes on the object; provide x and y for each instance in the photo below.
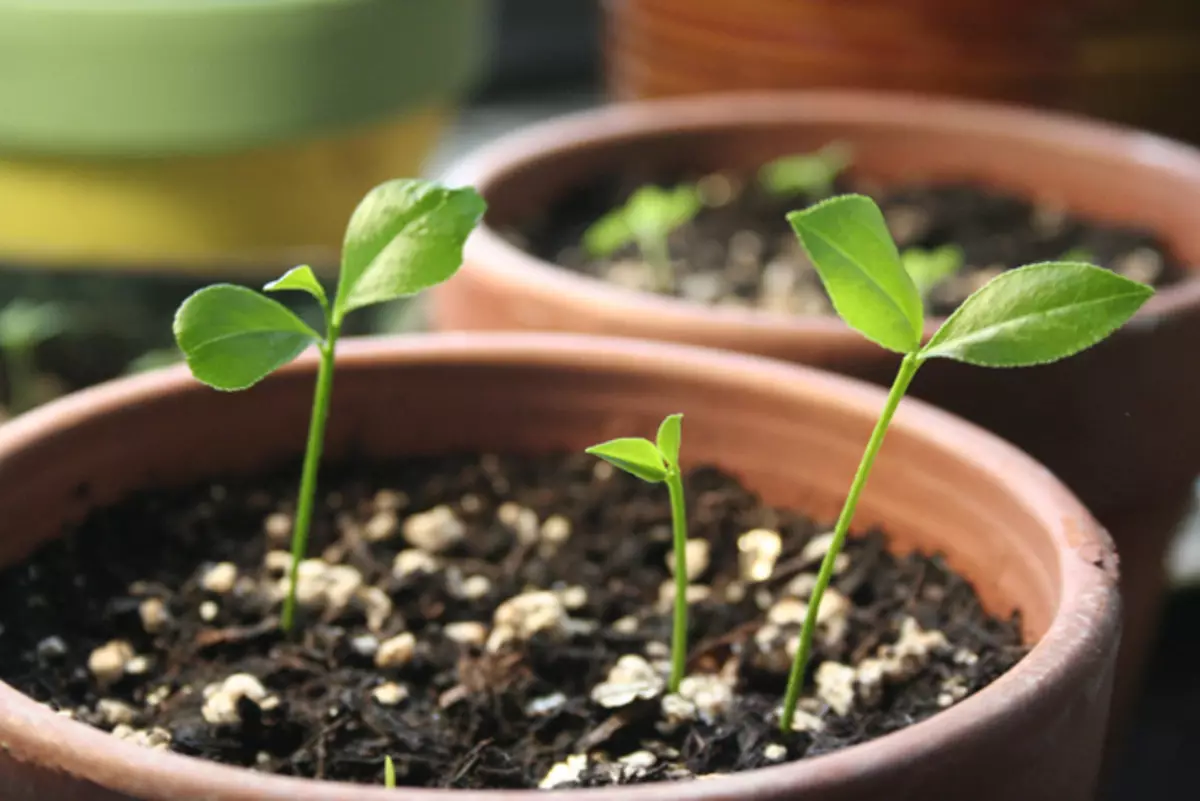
(999, 49)
(1131, 452)
(940, 484)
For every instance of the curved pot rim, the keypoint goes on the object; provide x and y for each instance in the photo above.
(489, 253)
(1085, 620)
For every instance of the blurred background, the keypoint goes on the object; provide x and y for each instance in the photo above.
(147, 148)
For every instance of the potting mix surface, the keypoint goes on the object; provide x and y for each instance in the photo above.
(488, 622)
(739, 251)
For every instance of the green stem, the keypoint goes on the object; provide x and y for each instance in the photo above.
(657, 253)
(908, 368)
(308, 478)
(679, 631)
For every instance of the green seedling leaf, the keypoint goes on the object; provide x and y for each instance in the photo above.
(389, 773)
(636, 456)
(1080, 254)
(302, 279)
(1037, 314)
(850, 245)
(233, 337)
(811, 174)
(928, 268)
(153, 360)
(405, 236)
(26, 323)
(607, 235)
(653, 212)
(670, 433)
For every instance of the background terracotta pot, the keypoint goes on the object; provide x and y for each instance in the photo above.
(1007, 525)
(1116, 423)
(1133, 61)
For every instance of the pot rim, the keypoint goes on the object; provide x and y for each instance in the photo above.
(1086, 618)
(487, 252)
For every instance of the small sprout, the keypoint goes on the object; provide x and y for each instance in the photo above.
(647, 219)
(658, 462)
(928, 268)
(404, 237)
(389, 773)
(809, 174)
(24, 325)
(153, 360)
(1080, 254)
(1032, 315)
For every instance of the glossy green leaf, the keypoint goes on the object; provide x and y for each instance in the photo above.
(1037, 314)
(634, 455)
(607, 235)
(233, 337)
(928, 268)
(670, 434)
(404, 237)
(850, 245)
(811, 174)
(652, 213)
(301, 279)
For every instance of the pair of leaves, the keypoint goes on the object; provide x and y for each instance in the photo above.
(650, 215)
(811, 174)
(649, 461)
(404, 237)
(1031, 315)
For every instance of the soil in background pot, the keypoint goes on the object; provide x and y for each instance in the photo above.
(739, 250)
(486, 621)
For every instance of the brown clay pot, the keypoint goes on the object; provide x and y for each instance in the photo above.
(1117, 423)
(1016, 50)
(940, 484)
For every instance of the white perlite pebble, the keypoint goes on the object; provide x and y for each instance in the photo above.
(565, 772)
(630, 679)
(626, 625)
(475, 587)
(636, 764)
(377, 605)
(220, 578)
(107, 663)
(396, 652)
(51, 649)
(383, 525)
(390, 694)
(277, 562)
(803, 720)
(209, 611)
(711, 695)
(774, 752)
(695, 555)
(573, 597)
(467, 632)
(545, 705)
(414, 561)
(695, 594)
(953, 690)
(758, 551)
(221, 700)
(524, 615)
(677, 709)
(389, 500)
(139, 666)
(434, 531)
(322, 585)
(278, 525)
(556, 530)
(114, 711)
(816, 548)
(157, 738)
(154, 615)
(365, 645)
(519, 519)
(835, 686)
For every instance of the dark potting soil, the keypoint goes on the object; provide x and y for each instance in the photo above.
(464, 615)
(740, 251)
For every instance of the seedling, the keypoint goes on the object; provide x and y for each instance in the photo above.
(928, 268)
(647, 219)
(25, 324)
(404, 237)
(389, 773)
(809, 174)
(1078, 253)
(658, 462)
(1032, 315)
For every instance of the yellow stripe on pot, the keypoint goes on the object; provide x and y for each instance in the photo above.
(236, 213)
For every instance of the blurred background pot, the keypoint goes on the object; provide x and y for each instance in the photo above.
(1116, 423)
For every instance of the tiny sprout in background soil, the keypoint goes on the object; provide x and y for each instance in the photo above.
(24, 325)
(658, 462)
(1032, 315)
(647, 219)
(404, 237)
(389, 773)
(810, 174)
(928, 268)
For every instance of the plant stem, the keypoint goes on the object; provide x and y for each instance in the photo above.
(908, 368)
(308, 477)
(657, 253)
(679, 630)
